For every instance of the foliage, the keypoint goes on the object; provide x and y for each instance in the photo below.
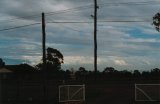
(136, 73)
(54, 59)
(82, 70)
(109, 70)
(2, 64)
(81, 73)
(109, 73)
(54, 56)
(156, 21)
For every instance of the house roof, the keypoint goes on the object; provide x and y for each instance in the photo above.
(4, 70)
(22, 68)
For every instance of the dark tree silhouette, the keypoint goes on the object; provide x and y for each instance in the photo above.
(155, 72)
(54, 56)
(81, 73)
(82, 69)
(136, 73)
(109, 70)
(156, 21)
(2, 64)
(126, 73)
(54, 59)
(146, 74)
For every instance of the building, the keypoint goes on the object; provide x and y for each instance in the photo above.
(4, 73)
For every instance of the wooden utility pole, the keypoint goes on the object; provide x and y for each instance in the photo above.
(44, 56)
(95, 38)
(44, 41)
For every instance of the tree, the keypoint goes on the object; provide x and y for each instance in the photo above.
(146, 74)
(126, 73)
(81, 73)
(155, 72)
(136, 73)
(82, 69)
(109, 70)
(2, 64)
(54, 59)
(156, 21)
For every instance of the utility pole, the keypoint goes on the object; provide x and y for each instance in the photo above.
(95, 38)
(44, 56)
(44, 41)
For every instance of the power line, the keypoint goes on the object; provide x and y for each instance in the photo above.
(76, 22)
(81, 7)
(131, 3)
(19, 18)
(47, 13)
(125, 21)
(70, 22)
(12, 28)
(109, 4)
(73, 29)
(69, 10)
(99, 21)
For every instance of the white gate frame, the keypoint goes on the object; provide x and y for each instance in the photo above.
(68, 93)
(145, 94)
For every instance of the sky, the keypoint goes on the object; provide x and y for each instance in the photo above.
(123, 45)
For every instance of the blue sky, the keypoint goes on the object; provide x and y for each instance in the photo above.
(122, 45)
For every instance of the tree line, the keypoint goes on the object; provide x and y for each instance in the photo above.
(54, 59)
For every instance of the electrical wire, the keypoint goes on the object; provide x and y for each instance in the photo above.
(75, 22)
(67, 27)
(69, 10)
(79, 8)
(70, 22)
(19, 18)
(12, 28)
(124, 21)
(48, 13)
(131, 3)
(82, 7)
(99, 21)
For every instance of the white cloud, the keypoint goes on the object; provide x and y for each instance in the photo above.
(146, 62)
(80, 60)
(120, 62)
(77, 60)
(142, 40)
(33, 60)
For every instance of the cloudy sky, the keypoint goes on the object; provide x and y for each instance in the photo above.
(121, 44)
